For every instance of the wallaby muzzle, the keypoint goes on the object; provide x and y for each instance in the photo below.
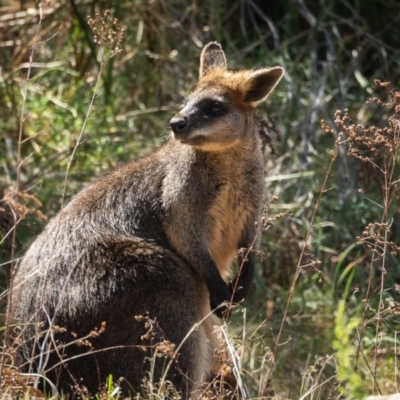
(179, 125)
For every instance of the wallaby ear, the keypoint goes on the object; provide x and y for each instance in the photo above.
(261, 82)
(212, 56)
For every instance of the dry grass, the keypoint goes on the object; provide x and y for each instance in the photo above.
(332, 331)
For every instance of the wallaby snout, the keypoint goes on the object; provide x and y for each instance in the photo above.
(179, 125)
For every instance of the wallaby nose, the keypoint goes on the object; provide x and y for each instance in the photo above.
(179, 125)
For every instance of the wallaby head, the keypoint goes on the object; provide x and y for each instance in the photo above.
(217, 115)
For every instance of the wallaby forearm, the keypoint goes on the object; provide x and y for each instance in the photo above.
(200, 259)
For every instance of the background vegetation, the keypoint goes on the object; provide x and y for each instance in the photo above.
(322, 320)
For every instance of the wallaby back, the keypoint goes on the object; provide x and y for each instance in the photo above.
(142, 253)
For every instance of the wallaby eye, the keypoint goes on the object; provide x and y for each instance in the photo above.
(215, 108)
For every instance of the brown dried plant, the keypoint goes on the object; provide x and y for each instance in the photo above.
(15, 210)
(106, 31)
(306, 262)
(16, 205)
(377, 147)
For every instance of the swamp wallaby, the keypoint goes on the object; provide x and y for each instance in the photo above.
(156, 235)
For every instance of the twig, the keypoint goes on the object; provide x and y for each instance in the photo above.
(22, 120)
(298, 266)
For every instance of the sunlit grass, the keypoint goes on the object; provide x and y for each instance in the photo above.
(340, 333)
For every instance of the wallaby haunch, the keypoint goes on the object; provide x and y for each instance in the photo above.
(151, 240)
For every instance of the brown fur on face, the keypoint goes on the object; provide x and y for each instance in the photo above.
(152, 238)
(235, 94)
(243, 84)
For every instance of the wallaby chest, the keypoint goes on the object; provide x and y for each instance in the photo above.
(216, 198)
(235, 210)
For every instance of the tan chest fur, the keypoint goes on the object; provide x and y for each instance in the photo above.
(229, 214)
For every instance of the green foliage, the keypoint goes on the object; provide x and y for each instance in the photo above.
(111, 390)
(352, 383)
(332, 52)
